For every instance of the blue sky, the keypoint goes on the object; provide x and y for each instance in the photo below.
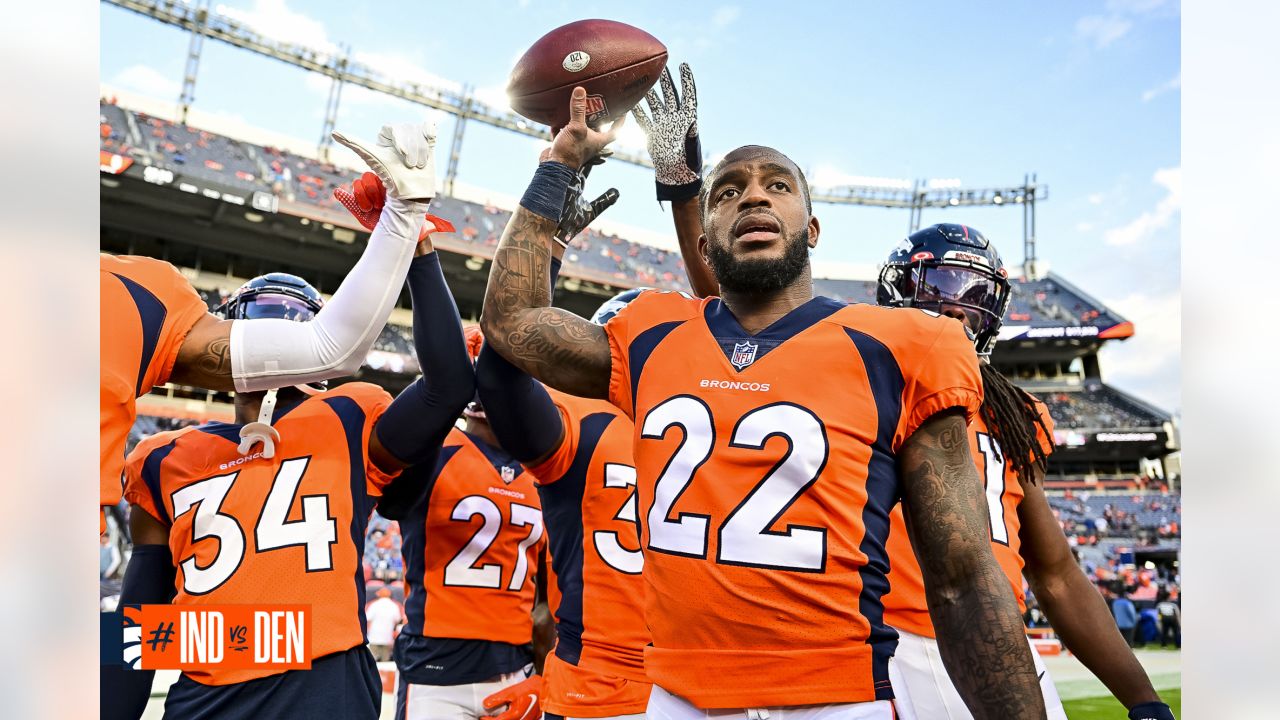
(1086, 94)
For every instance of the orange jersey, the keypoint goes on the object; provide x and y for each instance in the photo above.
(766, 470)
(471, 549)
(904, 606)
(147, 309)
(287, 530)
(587, 487)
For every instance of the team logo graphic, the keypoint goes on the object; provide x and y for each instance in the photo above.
(508, 474)
(596, 109)
(744, 353)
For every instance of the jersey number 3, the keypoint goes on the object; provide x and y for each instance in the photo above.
(317, 531)
(744, 536)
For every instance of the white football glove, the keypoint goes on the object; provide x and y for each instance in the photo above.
(404, 159)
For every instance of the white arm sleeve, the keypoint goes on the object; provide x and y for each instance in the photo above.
(267, 353)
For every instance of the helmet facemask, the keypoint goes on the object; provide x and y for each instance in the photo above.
(982, 294)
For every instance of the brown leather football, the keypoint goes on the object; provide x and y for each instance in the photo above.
(615, 62)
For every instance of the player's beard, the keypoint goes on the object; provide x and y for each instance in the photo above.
(752, 276)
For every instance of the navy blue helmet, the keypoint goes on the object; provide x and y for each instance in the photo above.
(274, 295)
(614, 305)
(949, 266)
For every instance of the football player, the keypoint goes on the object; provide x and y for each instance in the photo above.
(580, 451)
(955, 271)
(272, 508)
(474, 562)
(774, 431)
(155, 328)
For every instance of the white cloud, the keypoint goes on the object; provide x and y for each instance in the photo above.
(1102, 30)
(829, 176)
(1148, 364)
(1167, 86)
(1084, 227)
(1096, 198)
(724, 15)
(148, 81)
(1151, 221)
(274, 19)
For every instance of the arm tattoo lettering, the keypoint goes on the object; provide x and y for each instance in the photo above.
(980, 632)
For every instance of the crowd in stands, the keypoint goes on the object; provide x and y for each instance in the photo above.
(306, 180)
(1088, 518)
(1097, 406)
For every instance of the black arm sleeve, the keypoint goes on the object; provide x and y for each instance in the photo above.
(147, 581)
(420, 418)
(521, 413)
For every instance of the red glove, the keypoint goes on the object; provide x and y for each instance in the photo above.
(365, 200)
(523, 700)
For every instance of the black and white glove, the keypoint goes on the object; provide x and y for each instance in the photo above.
(578, 213)
(671, 136)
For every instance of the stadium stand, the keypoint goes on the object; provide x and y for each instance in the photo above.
(1098, 406)
(1048, 301)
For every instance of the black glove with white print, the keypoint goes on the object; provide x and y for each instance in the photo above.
(671, 136)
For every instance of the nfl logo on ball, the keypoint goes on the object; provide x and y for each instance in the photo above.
(744, 353)
(508, 474)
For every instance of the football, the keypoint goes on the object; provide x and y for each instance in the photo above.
(615, 62)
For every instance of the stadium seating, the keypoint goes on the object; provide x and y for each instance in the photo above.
(1046, 301)
(1098, 406)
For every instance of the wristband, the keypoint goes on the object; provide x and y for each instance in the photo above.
(548, 190)
(678, 193)
(1151, 711)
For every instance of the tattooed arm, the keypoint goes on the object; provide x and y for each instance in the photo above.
(555, 346)
(980, 633)
(204, 360)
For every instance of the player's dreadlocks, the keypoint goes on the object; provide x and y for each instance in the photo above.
(1011, 418)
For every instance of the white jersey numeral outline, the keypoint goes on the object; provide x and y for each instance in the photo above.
(744, 537)
(993, 479)
(610, 550)
(317, 531)
(461, 570)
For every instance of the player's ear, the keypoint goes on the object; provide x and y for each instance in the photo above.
(814, 231)
(702, 246)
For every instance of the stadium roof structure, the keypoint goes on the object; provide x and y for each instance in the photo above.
(201, 22)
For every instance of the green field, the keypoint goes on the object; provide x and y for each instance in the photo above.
(1106, 708)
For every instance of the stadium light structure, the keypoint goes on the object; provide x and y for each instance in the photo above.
(202, 22)
(940, 194)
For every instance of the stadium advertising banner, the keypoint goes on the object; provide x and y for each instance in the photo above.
(1060, 332)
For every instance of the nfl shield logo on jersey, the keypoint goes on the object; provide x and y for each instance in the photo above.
(508, 474)
(744, 353)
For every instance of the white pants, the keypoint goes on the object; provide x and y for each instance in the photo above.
(923, 691)
(641, 716)
(455, 702)
(665, 706)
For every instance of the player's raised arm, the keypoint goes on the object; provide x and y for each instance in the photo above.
(1077, 611)
(553, 345)
(250, 355)
(413, 427)
(980, 633)
(671, 137)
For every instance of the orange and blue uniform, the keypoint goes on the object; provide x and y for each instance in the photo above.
(905, 606)
(587, 486)
(766, 472)
(246, 529)
(471, 549)
(148, 308)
